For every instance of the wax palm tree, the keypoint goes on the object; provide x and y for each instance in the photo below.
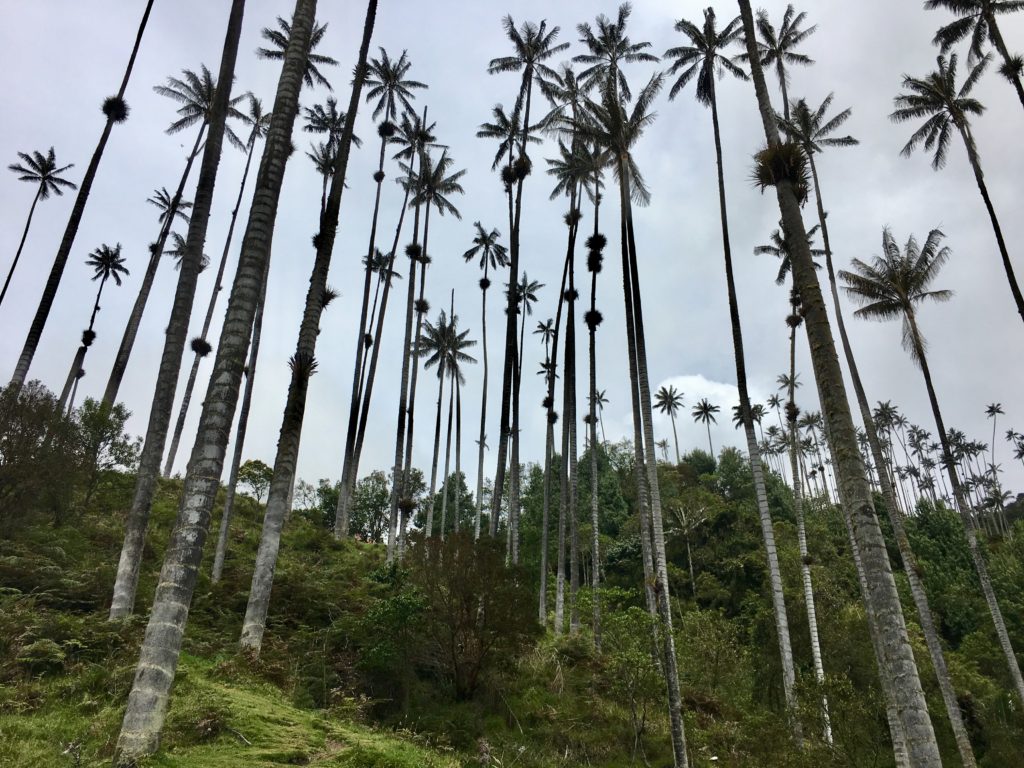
(703, 59)
(780, 246)
(777, 48)
(895, 656)
(617, 130)
(977, 20)
(945, 108)
(608, 48)
(192, 93)
(196, 94)
(662, 446)
(891, 287)
(322, 155)
(704, 413)
(258, 122)
(669, 400)
(415, 137)
(388, 85)
(318, 296)
(433, 185)
(41, 170)
(533, 45)
(442, 346)
(328, 119)
(106, 263)
(148, 700)
(279, 39)
(115, 109)
(456, 360)
(492, 255)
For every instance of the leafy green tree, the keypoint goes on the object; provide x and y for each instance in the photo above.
(369, 506)
(256, 474)
(43, 171)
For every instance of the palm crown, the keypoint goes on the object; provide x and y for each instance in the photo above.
(443, 344)
(973, 21)
(508, 129)
(534, 44)
(257, 120)
(163, 200)
(42, 170)
(781, 247)
(777, 47)
(107, 263)
(328, 119)
(811, 130)
(668, 400)
(385, 82)
(485, 245)
(895, 282)
(195, 93)
(434, 185)
(609, 47)
(704, 412)
(946, 107)
(702, 58)
(278, 38)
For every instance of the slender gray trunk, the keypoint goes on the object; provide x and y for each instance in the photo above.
(447, 463)
(218, 284)
(897, 658)
(303, 366)
(24, 234)
(161, 646)
(437, 450)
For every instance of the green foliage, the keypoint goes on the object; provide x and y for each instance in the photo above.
(257, 475)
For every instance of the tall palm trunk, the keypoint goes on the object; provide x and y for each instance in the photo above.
(361, 340)
(447, 465)
(675, 436)
(24, 234)
(158, 658)
(910, 566)
(156, 254)
(642, 394)
(977, 556)
(76, 364)
(592, 322)
(243, 424)
(437, 449)
(398, 485)
(351, 462)
(482, 440)
(458, 453)
(979, 177)
(186, 398)
(509, 429)
(897, 655)
(116, 111)
(754, 453)
(130, 560)
(569, 382)
(303, 366)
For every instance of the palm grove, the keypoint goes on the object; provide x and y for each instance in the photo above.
(562, 525)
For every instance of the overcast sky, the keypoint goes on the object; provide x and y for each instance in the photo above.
(61, 59)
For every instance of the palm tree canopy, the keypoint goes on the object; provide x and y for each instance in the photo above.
(163, 199)
(278, 38)
(566, 93)
(257, 120)
(703, 58)
(328, 119)
(615, 130)
(994, 409)
(533, 43)
(485, 245)
(177, 252)
(379, 263)
(387, 84)
(944, 107)
(781, 247)
(413, 137)
(195, 93)
(323, 155)
(896, 281)
(107, 262)
(811, 130)
(42, 170)
(704, 412)
(575, 165)
(668, 400)
(777, 47)
(434, 185)
(508, 129)
(609, 47)
(973, 21)
(443, 345)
